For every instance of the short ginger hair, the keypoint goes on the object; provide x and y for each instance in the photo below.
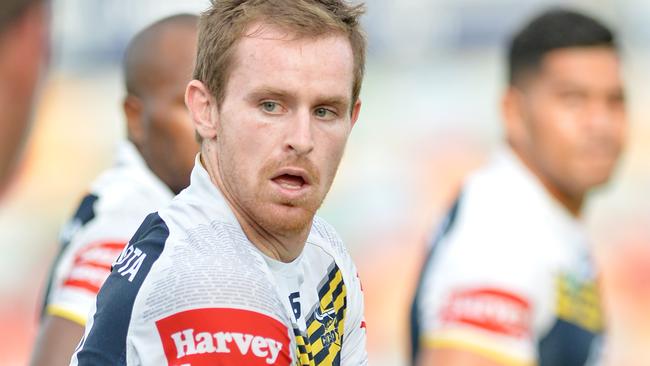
(226, 21)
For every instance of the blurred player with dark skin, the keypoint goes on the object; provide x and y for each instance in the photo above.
(509, 280)
(153, 166)
(24, 49)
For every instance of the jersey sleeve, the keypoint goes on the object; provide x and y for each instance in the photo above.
(84, 264)
(83, 275)
(481, 295)
(89, 243)
(354, 351)
(104, 341)
(354, 342)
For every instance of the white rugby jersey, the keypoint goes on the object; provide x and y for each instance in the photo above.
(509, 276)
(104, 222)
(191, 289)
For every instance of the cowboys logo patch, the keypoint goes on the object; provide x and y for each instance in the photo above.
(321, 345)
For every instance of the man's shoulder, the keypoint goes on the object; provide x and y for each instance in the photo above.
(148, 241)
(152, 230)
(492, 193)
(496, 207)
(324, 235)
(212, 260)
(487, 239)
(491, 240)
(325, 249)
(129, 190)
(201, 272)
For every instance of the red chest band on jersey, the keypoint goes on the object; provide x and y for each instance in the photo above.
(222, 336)
(490, 309)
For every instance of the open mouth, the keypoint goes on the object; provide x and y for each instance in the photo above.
(290, 181)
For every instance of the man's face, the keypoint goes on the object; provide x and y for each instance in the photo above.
(169, 144)
(283, 125)
(573, 117)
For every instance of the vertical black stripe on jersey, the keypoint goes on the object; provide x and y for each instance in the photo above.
(106, 341)
(566, 344)
(85, 213)
(444, 229)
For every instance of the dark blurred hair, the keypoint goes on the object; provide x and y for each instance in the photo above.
(138, 57)
(552, 30)
(10, 10)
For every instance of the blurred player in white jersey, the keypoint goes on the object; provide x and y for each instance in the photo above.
(509, 279)
(153, 165)
(24, 50)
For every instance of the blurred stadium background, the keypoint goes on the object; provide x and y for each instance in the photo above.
(430, 114)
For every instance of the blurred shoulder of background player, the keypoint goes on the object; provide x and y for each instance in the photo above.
(157, 67)
(24, 49)
(564, 117)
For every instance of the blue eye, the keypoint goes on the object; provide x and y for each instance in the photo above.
(270, 106)
(324, 113)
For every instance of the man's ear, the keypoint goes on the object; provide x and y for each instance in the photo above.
(201, 105)
(513, 113)
(354, 116)
(132, 107)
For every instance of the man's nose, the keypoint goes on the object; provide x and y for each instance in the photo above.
(300, 137)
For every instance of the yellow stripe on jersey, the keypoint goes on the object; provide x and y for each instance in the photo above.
(321, 345)
(578, 302)
(492, 353)
(64, 313)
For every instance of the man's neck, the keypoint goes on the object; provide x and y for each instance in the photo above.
(284, 247)
(571, 202)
